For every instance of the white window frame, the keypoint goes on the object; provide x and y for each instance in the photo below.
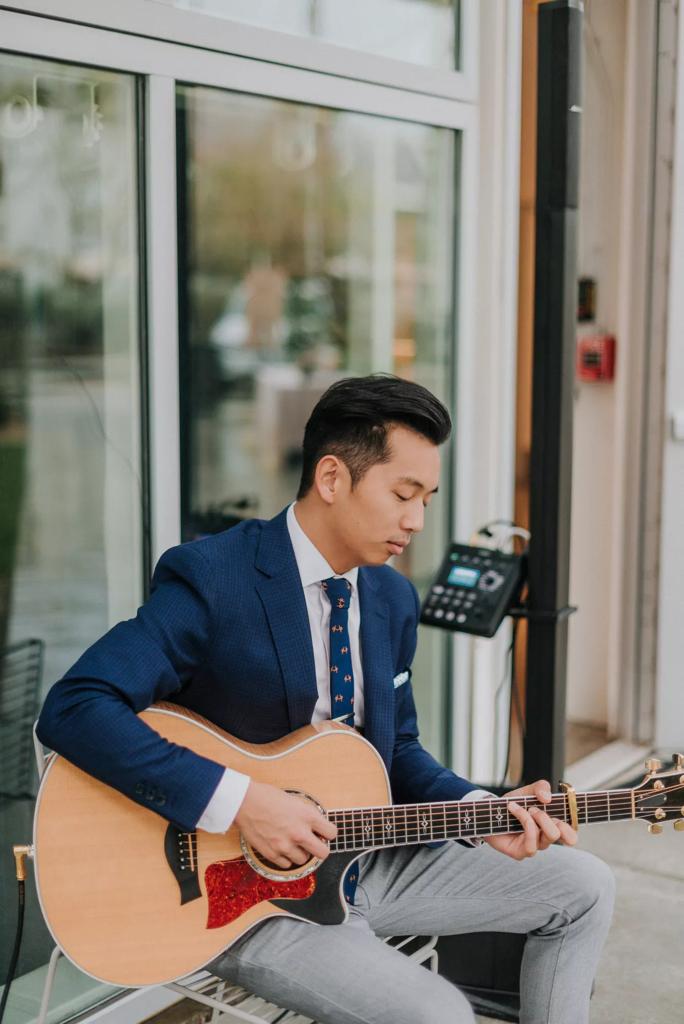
(208, 33)
(163, 64)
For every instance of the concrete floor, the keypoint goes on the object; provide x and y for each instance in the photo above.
(641, 976)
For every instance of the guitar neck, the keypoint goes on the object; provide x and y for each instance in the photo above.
(359, 828)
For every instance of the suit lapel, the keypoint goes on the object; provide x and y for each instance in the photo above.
(280, 589)
(376, 655)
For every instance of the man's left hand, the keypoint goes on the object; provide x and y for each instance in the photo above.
(539, 830)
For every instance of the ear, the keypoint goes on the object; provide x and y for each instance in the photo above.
(330, 477)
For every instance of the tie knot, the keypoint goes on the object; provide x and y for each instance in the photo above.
(338, 591)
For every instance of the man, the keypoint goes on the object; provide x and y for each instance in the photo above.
(240, 628)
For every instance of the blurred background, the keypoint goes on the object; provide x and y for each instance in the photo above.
(210, 210)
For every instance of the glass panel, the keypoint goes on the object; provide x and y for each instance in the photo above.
(318, 245)
(70, 467)
(419, 31)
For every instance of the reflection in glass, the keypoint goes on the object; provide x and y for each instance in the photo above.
(419, 31)
(318, 244)
(70, 505)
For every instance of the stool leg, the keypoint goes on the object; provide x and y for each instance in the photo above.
(47, 988)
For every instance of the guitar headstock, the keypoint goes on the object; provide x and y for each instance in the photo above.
(660, 797)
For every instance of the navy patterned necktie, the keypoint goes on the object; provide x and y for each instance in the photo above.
(339, 593)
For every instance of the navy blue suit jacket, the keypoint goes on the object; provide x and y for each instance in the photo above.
(225, 633)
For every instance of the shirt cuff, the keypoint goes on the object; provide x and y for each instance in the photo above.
(476, 794)
(227, 798)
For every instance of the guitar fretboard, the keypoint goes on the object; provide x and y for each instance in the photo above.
(408, 824)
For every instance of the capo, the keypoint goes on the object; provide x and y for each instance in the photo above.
(572, 803)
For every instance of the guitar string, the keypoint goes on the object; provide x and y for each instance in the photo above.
(414, 830)
(355, 843)
(478, 809)
(379, 816)
(453, 812)
(427, 835)
(592, 795)
(614, 798)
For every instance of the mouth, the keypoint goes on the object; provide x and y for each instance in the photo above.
(396, 547)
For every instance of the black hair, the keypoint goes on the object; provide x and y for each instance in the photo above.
(353, 418)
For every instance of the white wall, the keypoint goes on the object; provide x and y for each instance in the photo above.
(594, 448)
(485, 425)
(670, 663)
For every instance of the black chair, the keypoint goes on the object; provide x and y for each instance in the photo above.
(21, 670)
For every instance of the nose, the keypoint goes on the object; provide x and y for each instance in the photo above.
(413, 519)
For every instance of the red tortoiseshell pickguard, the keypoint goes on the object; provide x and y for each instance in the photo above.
(233, 887)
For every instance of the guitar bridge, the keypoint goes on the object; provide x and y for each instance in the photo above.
(180, 849)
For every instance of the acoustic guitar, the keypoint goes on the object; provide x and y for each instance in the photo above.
(133, 900)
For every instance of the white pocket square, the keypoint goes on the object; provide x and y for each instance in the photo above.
(402, 678)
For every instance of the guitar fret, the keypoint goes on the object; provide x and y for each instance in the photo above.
(358, 828)
(411, 824)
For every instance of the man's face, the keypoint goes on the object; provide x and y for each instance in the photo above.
(377, 518)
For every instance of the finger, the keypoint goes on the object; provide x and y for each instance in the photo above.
(315, 846)
(297, 854)
(567, 833)
(323, 827)
(542, 791)
(280, 860)
(548, 826)
(531, 842)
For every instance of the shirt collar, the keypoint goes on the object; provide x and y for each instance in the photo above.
(311, 564)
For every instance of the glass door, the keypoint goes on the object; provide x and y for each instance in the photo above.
(70, 425)
(315, 244)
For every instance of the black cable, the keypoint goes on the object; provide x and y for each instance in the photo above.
(511, 673)
(515, 696)
(15, 952)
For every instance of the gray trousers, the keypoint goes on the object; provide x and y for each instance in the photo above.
(562, 899)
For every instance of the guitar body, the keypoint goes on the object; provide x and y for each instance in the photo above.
(133, 901)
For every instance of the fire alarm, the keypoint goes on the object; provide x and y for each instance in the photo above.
(596, 357)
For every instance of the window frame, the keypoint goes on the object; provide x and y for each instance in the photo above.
(162, 65)
(196, 30)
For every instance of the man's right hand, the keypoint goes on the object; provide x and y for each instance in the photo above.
(283, 828)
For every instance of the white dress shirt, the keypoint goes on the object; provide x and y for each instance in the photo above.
(219, 813)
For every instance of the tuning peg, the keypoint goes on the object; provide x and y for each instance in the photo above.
(653, 764)
(654, 829)
(679, 825)
(679, 761)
